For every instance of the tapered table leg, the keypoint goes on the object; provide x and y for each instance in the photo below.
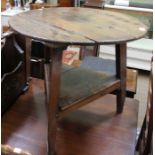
(121, 74)
(54, 93)
(28, 57)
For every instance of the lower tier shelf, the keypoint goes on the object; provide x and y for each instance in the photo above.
(80, 85)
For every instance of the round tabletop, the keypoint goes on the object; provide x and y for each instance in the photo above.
(75, 25)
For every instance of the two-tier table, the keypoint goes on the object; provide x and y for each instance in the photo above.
(67, 87)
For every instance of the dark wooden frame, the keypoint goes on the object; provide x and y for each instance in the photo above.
(52, 85)
(55, 49)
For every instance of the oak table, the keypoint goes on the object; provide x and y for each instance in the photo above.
(68, 89)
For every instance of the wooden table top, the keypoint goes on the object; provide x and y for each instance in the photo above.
(78, 26)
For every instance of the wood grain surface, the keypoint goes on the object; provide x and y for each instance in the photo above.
(78, 26)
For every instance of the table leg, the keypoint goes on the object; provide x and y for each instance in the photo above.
(28, 57)
(84, 52)
(54, 92)
(121, 74)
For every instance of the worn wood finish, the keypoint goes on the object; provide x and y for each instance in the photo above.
(73, 79)
(71, 102)
(28, 57)
(108, 66)
(54, 93)
(93, 129)
(72, 23)
(89, 50)
(70, 26)
(121, 74)
(76, 105)
(143, 13)
(97, 4)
